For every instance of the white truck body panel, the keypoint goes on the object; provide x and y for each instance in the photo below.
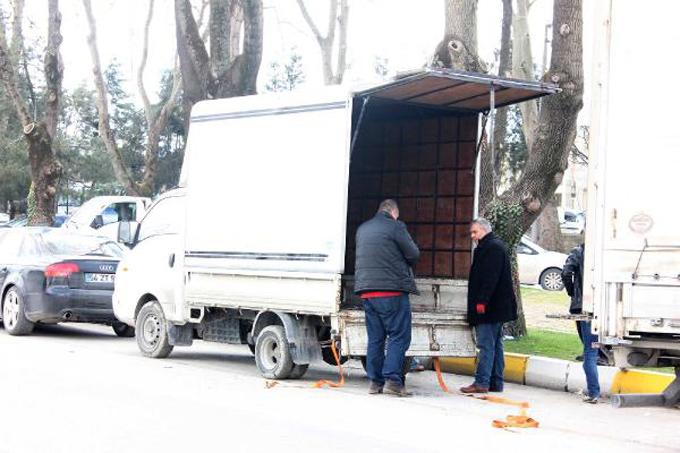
(632, 281)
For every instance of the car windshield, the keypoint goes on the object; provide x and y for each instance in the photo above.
(59, 243)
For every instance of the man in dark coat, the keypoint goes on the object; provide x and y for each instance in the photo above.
(385, 253)
(572, 277)
(491, 303)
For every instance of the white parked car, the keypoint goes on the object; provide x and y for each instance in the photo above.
(539, 266)
(572, 221)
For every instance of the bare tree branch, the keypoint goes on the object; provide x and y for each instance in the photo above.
(343, 21)
(310, 22)
(9, 80)
(332, 17)
(119, 168)
(194, 61)
(142, 66)
(54, 68)
(326, 44)
(17, 44)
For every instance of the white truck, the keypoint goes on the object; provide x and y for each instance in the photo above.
(101, 215)
(632, 258)
(257, 245)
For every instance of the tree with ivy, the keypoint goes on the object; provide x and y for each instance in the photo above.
(513, 211)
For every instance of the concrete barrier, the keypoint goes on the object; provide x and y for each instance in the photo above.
(639, 381)
(564, 375)
(547, 373)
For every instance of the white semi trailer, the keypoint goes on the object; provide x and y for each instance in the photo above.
(632, 259)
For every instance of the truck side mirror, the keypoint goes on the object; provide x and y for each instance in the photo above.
(127, 232)
(98, 222)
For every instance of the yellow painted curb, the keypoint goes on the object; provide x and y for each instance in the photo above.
(638, 381)
(459, 365)
(515, 367)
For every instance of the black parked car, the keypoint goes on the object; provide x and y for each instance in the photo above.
(52, 275)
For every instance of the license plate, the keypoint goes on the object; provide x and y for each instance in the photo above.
(99, 278)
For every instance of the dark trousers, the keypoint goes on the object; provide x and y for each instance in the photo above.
(589, 358)
(490, 364)
(388, 321)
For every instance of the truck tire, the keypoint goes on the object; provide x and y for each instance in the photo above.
(123, 330)
(551, 279)
(272, 353)
(13, 317)
(298, 371)
(152, 331)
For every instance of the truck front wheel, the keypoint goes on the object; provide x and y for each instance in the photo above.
(272, 353)
(151, 331)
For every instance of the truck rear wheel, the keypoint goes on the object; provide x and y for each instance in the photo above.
(272, 353)
(151, 331)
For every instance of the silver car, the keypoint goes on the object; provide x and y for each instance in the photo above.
(539, 266)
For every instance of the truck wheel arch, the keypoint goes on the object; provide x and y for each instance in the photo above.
(304, 346)
(143, 300)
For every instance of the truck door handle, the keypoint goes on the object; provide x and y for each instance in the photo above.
(171, 260)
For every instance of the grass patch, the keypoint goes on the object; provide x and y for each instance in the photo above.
(531, 296)
(547, 343)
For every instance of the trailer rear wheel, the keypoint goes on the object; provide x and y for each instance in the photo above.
(272, 353)
(151, 330)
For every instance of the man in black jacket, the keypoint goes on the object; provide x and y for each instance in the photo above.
(491, 302)
(572, 277)
(385, 253)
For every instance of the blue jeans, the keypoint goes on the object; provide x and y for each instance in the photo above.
(590, 355)
(388, 320)
(491, 363)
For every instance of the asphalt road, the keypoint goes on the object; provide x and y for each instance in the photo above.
(81, 389)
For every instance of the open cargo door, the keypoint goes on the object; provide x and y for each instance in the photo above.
(415, 139)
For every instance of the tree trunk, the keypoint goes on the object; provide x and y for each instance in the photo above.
(220, 74)
(119, 167)
(513, 212)
(523, 67)
(548, 234)
(491, 163)
(45, 168)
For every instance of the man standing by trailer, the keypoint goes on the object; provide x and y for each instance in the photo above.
(385, 254)
(491, 303)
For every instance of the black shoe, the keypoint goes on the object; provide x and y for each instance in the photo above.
(374, 388)
(579, 358)
(393, 388)
(496, 389)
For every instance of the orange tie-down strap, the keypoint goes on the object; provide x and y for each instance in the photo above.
(511, 421)
(320, 383)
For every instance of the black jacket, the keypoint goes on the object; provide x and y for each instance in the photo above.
(572, 277)
(491, 283)
(384, 255)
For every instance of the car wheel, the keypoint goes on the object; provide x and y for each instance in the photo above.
(123, 330)
(13, 317)
(272, 353)
(551, 279)
(151, 331)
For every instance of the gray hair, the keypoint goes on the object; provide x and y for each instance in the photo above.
(388, 206)
(485, 224)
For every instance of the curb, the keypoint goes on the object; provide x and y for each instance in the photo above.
(564, 375)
